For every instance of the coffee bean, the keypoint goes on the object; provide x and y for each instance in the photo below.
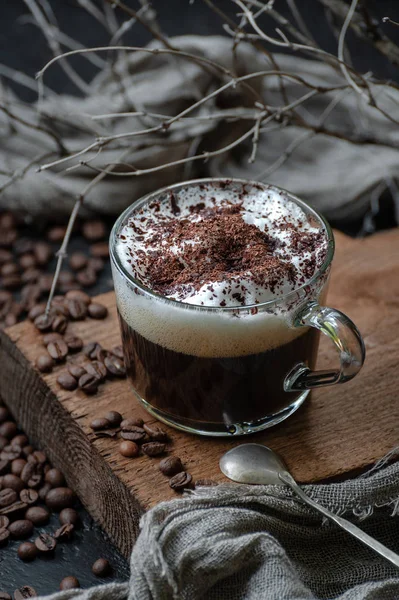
(26, 591)
(69, 516)
(10, 453)
(10, 320)
(36, 311)
(171, 465)
(5, 256)
(23, 245)
(58, 350)
(27, 551)
(3, 442)
(77, 309)
(11, 282)
(7, 237)
(60, 324)
(30, 276)
(92, 350)
(76, 370)
(94, 230)
(45, 282)
(156, 433)
(101, 568)
(13, 508)
(40, 456)
(115, 366)
(7, 497)
(56, 234)
(4, 414)
(21, 529)
(75, 344)
(8, 429)
(128, 422)
(97, 369)
(66, 277)
(20, 440)
(45, 543)
(44, 490)
(9, 269)
(28, 471)
(118, 351)
(99, 250)
(64, 532)
(67, 381)
(78, 295)
(96, 264)
(55, 478)
(43, 322)
(4, 522)
(5, 596)
(205, 482)
(4, 536)
(27, 261)
(133, 433)
(100, 423)
(77, 261)
(59, 498)
(97, 311)
(86, 277)
(29, 496)
(181, 481)
(44, 363)
(69, 583)
(42, 252)
(48, 338)
(88, 384)
(114, 418)
(128, 449)
(17, 466)
(13, 482)
(39, 515)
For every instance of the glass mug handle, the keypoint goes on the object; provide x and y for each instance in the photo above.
(347, 339)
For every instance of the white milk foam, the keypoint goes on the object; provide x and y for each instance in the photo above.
(214, 333)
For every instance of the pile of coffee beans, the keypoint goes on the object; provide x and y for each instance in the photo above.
(31, 490)
(27, 265)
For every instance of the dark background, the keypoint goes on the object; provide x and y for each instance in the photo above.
(23, 47)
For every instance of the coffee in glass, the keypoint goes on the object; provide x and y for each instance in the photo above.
(218, 286)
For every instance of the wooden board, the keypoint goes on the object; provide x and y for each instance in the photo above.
(340, 429)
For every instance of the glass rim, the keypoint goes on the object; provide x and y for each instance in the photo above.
(186, 305)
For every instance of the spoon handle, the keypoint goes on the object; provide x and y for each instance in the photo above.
(343, 523)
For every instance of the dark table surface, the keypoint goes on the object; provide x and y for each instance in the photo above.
(24, 48)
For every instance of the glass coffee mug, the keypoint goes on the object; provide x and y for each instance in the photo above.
(233, 370)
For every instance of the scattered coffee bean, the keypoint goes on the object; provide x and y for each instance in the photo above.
(136, 422)
(8, 429)
(4, 464)
(94, 230)
(128, 449)
(44, 490)
(39, 457)
(13, 482)
(29, 496)
(133, 433)
(77, 261)
(7, 497)
(27, 551)
(3, 442)
(51, 337)
(43, 322)
(171, 465)
(181, 481)
(77, 309)
(21, 529)
(75, 344)
(11, 282)
(100, 423)
(76, 370)
(27, 450)
(39, 515)
(58, 350)
(97, 369)
(60, 324)
(45, 543)
(67, 381)
(153, 448)
(69, 583)
(86, 277)
(92, 350)
(55, 478)
(10, 452)
(115, 366)
(5, 596)
(42, 252)
(26, 591)
(28, 470)
(4, 414)
(16, 507)
(78, 295)
(4, 536)
(20, 440)
(69, 516)
(64, 532)
(17, 466)
(99, 250)
(156, 433)
(27, 261)
(5, 256)
(88, 384)
(59, 498)
(101, 568)
(118, 351)
(97, 311)
(114, 418)
(36, 311)
(95, 264)
(4, 522)
(205, 482)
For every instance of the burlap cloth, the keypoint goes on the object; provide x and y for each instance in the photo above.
(334, 175)
(236, 542)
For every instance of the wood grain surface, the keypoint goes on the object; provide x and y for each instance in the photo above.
(340, 429)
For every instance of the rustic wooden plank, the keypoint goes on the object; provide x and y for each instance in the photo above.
(340, 429)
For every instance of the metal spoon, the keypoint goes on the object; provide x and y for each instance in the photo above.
(257, 464)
